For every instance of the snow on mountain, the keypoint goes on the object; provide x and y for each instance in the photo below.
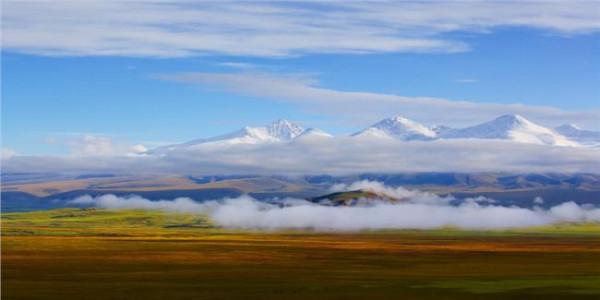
(314, 133)
(574, 133)
(398, 128)
(246, 135)
(284, 130)
(511, 127)
(508, 127)
(440, 129)
(280, 130)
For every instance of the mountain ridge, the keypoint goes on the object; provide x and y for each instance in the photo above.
(581, 136)
(508, 127)
(511, 127)
(398, 127)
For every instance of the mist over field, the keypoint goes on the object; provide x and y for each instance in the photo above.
(420, 210)
(275, 150)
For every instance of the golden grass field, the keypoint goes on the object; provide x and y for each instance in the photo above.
(103, 254)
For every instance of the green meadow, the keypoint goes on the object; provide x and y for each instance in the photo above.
(127, 254)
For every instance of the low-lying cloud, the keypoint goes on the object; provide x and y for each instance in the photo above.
(335, 156)
(414, 196)
(136, 202)
(419, 211)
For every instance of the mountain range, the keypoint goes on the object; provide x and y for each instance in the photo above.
(581, 136)
(510, 127)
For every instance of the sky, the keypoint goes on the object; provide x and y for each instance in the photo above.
(111, 73)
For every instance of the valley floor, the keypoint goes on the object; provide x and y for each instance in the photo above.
(97, 254)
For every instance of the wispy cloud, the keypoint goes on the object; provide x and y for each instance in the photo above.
(466, 80)
(238, 65)
(7, 153)
(274, 28)
(93, 144)
(364, 107)
(90, 145)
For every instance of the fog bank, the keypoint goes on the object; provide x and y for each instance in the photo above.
(334, 156)
(419, 211)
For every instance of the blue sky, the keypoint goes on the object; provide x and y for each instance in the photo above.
(56, 87)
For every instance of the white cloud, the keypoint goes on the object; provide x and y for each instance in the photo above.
(137, 202)
(249, 214)
(138, 149)
(364, 107)
(571, 212)
(340, 155)
(7, 153)
(392, 192)
(538, 200)
(91, 145)
(274, 28)
(420, 211)
(238, 65)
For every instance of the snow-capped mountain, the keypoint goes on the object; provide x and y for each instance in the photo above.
(314, 133)
(574, 133)
(246, 135)
(278, 131)
(398, 128)
(283, 130)
(440, 129)
(511, 127)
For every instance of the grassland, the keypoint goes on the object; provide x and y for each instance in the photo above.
(102, 254)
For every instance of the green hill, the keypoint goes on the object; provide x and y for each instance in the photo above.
(350, 198)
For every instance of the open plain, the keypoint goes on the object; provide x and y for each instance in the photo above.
(105, 254)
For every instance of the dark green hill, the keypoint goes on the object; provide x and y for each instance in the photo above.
(350, 198)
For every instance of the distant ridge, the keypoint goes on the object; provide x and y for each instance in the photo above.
(574, 133)
(510, 127)
(279, 131)
(399, 128)
(314, 133)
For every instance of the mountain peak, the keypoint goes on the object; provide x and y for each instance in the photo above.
(511, 127)
(281, 122)
(400, 128)
(399, 119)
(569, 126)
(582, 136)
(314, 133)
(284, 129)
(513, 119)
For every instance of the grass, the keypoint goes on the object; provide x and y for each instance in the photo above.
(103, 254)
(578, 285)
(99, 222)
